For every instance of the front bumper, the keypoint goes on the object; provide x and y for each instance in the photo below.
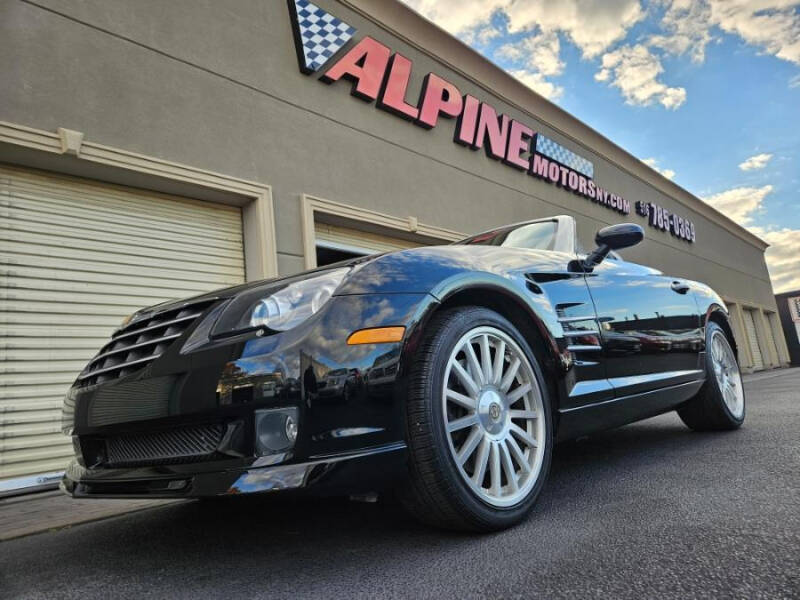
(366, 470)
(349, 436)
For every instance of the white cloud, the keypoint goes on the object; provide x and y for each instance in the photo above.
(592, 25)
(794, 81)
(686, 27)
(783, 259)
(772, 25)
(480, 34)
(653, 164)
(485, 35)
(739, 203)
(759, 161)
(538, 83)
(456, 16)
(635, 70)
(539, 57)
(540, 52)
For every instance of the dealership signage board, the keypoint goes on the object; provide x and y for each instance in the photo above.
(794, 308)
(381, 76)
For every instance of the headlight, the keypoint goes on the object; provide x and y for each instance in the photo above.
(296, 302)
(284, 309)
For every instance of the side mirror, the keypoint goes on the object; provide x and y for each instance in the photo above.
(610, 238)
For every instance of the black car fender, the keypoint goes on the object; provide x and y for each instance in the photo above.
(506, 296)
(711, 307)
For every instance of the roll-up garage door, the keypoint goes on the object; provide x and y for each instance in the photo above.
(76, 257)
(357, 242)
(752, 339)
(772, 326)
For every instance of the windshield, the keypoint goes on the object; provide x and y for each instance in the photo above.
(532, 236)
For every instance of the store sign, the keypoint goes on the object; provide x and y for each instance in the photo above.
(794, 308)
(377, 74)
(662, 219)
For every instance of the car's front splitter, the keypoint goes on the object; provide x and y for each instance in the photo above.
(369, 469)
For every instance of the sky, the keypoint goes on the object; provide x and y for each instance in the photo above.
(707, 92)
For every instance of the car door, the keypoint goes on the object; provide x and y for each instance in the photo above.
(649, 325)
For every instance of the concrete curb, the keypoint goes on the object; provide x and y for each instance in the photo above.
(21, 516)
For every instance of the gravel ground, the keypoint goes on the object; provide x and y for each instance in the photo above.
(647, 510)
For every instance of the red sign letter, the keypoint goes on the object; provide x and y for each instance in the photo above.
(519, 140)
(438, 97)
(395, 85)
(495, 131)
(364, 65)
(467, 120)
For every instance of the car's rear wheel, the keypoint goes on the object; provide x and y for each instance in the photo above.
(720, 403)
(478, 423)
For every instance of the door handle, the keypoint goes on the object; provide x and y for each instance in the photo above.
(680, 287)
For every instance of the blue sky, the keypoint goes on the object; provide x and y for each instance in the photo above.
(706, 91)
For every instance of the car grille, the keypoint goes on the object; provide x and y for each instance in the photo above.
(186, 444)
(133, 347)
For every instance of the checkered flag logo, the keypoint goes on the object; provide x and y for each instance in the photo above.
(547, 147)
(318, 34)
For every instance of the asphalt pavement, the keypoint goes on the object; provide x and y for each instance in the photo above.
(648, 510)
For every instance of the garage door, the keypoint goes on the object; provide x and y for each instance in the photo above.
(335, 243)
(752, 339)
(75, 258)
(357, 242)
(773, 329)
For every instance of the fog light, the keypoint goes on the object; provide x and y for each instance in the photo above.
(276, 430)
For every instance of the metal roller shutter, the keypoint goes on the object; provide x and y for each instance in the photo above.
(752, 339)
(358, 242)
(75, 258)
(772, 330)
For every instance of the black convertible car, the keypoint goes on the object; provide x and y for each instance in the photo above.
(444, 373)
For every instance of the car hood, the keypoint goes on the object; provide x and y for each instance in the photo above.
(415, 270)
(419, 270)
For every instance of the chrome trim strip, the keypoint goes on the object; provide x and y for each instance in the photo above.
(136, 346)
(576, 333)
(574, 319)
(156, 326)
(631, 380)
(579, 348)
(585, 363)
(119, 366)
(630, 397)
(284, 477)
(590, 387)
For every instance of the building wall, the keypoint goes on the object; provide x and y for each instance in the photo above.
(216, 86)
(791, 328)
(204, 99)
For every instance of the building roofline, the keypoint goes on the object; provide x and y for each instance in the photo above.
(434, 41)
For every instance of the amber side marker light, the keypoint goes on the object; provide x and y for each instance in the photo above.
(377, 335)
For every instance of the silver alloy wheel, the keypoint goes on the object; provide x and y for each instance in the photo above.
(494, 416)
(726, 371)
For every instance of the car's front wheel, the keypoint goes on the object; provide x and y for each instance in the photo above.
(719, 405)
(478, 423)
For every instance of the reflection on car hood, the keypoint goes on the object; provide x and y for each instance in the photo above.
(232, 291)
(410, 270)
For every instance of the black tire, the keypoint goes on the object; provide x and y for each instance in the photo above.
(708, 411)
(435, 492)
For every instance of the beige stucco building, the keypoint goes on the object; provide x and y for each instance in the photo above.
(154, 150)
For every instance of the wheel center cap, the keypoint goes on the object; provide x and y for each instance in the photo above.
(492, 412)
